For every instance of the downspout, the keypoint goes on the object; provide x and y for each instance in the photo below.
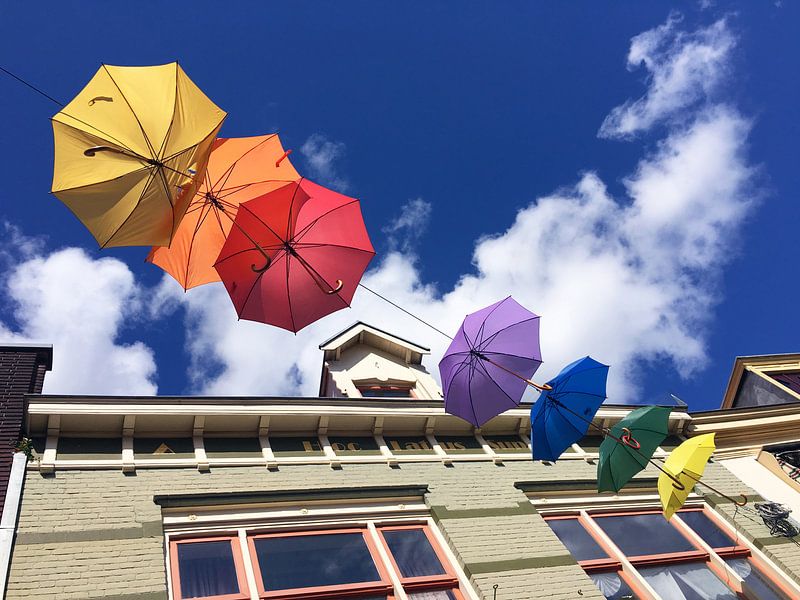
(8, 522)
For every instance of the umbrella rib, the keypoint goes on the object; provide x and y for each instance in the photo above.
(568, 376)
(150, 146)
(289, 213)
(108, 136)
(174, 110)
(472, 403)
(568, 421)
(257, 218)
(486, 372)
(496, 353)
(277, 256)
(225, 192)
(164, 181)
(133, 210)
(542, 416)
(229, 171)
(313, 273)
(299, 235)
(200, 221)
(491, 338)
(314, 246)
(482, 327)
(459, 369)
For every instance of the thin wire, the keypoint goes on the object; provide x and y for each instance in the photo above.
(607, 432)
(410, 314)
(30, 85)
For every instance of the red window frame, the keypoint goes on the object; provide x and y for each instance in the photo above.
(448, 581)
(699, 554)
(382, 586)
(241, 577)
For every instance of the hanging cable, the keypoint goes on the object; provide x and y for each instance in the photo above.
(409, 313)
(31, 86)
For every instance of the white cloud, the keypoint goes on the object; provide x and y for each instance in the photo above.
(322, 156)
(628, 280)
(79, 304)
(405, 231)
(684, 68)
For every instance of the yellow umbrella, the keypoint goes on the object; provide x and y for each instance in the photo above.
(686, 465)
(130, 150)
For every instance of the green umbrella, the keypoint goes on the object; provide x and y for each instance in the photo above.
(629, 445)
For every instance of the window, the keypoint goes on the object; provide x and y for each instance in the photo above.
(364, 563)
(693, 556)
(386, 391)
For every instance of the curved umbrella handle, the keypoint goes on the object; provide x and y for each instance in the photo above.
(95, 149)
(629, 440)
(676, 483)
(338, 288)
(267, 263)
(98, 98)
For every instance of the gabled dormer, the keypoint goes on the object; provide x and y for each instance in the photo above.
(364, 361)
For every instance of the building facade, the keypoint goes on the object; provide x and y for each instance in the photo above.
(372, 491)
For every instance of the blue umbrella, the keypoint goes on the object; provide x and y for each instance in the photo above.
(563, 413)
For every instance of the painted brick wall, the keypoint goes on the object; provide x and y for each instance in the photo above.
(97, 534)
(22, 370)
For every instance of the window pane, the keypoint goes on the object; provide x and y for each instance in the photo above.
(637, 535)
(688, 581)
(757, 582)
(436, 595)
(413, 553)
(314, 560)
(207, 569)
(706, 529)
(385, 392)
(579, 543)
(613, 586)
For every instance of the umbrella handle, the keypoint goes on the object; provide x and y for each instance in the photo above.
(103, 98)
(264, 268)
(338, 288)
(280, 160)
(95, 149)
(628, 440)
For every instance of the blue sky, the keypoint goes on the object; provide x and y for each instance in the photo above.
(662, 242)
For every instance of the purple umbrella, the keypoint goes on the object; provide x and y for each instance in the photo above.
(486, 368)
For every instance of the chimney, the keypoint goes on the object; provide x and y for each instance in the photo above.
(22, 369)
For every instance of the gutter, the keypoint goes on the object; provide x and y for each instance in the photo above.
(8, 522)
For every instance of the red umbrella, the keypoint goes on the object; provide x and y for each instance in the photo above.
(294, 255)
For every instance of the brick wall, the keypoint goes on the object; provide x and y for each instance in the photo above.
(22, 370)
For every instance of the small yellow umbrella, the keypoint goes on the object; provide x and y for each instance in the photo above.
(130, 150)
(686, 465)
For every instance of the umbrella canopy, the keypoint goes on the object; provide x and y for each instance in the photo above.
(630, 445)
(485, 368)
(294, 255)
(129, 151)
(239, 169)
(562, 414)
(686, 463)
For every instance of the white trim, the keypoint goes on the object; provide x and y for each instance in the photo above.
(399, 592)
(8, 521)
(249, 571)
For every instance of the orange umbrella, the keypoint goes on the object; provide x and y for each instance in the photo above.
(239, 170)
